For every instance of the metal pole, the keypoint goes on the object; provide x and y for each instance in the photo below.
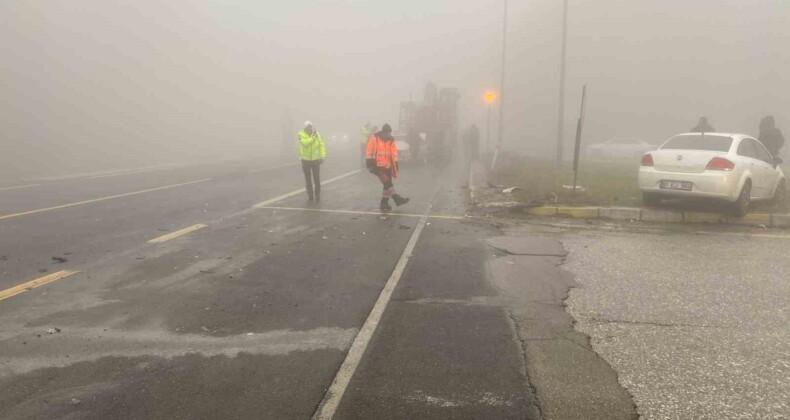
(502, 80)
(488, 129)
(561, 110)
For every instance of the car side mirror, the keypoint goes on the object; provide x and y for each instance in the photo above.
(778, 161)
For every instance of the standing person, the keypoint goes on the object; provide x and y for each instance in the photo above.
(312, 152)
(471, 140)
(415, 142)
(703, 126)
(770, 136)
(364, 135)
(381, 159)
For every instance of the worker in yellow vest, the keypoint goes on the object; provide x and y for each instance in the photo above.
(312, 152)
(364, 135)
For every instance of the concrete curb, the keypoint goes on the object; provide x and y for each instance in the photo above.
(636, 214)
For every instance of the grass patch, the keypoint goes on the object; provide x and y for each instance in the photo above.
(605, 183)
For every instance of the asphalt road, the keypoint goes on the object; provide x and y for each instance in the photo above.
(692, 318)
(170, 294)
(696, 325)
(218, 291)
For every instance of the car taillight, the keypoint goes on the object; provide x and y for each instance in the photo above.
(720, 164)
(647, 159)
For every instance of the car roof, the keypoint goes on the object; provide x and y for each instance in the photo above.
(733, 135)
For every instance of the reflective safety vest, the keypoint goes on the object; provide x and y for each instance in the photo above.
(384, 153)
(311, 147)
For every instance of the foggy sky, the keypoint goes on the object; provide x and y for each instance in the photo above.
(145, 81)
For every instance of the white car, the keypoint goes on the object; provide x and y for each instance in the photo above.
(734, 168)
(619, 148)
(404, 149)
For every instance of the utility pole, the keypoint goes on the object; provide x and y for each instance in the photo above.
(561, 110)
(502, 80)
(500, 129)
(489, 97)
(488, 129)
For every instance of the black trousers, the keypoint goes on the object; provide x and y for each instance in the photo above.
(312, 176)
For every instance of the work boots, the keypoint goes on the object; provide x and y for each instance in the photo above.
(385, 204)
(399, 201)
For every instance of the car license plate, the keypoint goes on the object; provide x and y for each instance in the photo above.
(676, 185)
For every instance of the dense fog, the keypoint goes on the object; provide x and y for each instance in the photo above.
(95, 84)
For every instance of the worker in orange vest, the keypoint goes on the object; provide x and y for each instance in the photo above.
(381, 158)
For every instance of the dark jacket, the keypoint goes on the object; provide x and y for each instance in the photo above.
(770, 136)
(703, 127)
(773, 140)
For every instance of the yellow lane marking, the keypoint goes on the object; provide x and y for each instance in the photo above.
(255, 171)
(371, 213)
(176, 234)
(96, 200)
(32, 284)
(301, 190)
(745, 235)
(19, 187)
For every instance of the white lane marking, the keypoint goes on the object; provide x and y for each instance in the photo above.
(330, 402)
(96, 200)
(301, 190)
(370, 213)
(19, 187)
(105, 174)
(255, 171)
(130, 172)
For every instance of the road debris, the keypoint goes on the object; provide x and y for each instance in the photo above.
(59, 260)
(205, 329)
(53, 330)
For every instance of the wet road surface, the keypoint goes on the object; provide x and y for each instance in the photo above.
(218, 292)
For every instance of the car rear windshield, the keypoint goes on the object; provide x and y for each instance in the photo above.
(699, 142)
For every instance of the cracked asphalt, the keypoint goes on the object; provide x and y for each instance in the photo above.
(696, 326)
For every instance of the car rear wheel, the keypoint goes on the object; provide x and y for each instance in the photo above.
(780, 196)
(741, 205)
(651, 199)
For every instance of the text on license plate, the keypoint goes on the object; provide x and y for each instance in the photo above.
(676, 185)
